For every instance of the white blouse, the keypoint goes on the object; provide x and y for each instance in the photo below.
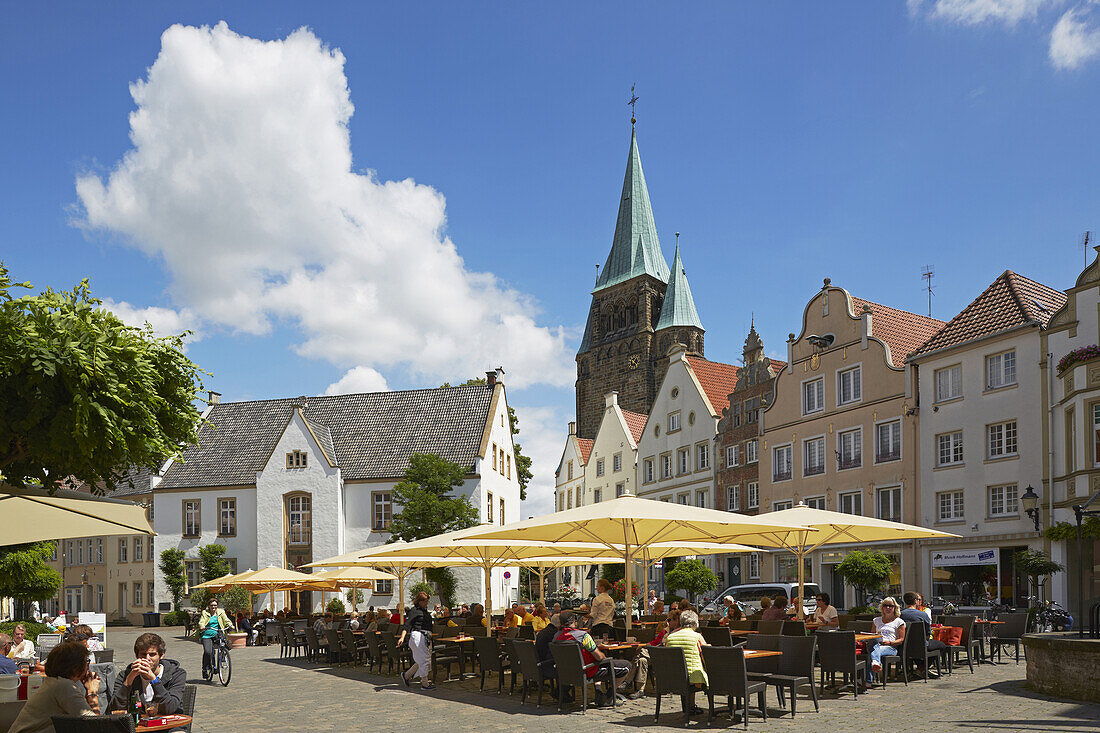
(889, 630)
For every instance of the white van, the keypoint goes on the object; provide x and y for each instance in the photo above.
(749, 596)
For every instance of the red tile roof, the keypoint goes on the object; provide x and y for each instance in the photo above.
(585, 444)
(903, 332)
(1011, 300)
(718, 380)
(636, 422)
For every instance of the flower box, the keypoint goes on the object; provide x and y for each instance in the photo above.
(236, 641)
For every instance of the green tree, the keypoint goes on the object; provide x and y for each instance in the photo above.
(418, 587)
(613, 572)
(355, 596)
(867, 571)
(692, 576)
(174, 573)
(1035, 563)
(427, 506)
(200, 597)
(24, 574)
(445, 584)
(84, 396)
(212, 561)
(335, 606)
(235, 599)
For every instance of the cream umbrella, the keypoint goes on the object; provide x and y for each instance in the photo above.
(834, 528)
(634, 524)
(65, 513)
(272, 579)
(353, 578)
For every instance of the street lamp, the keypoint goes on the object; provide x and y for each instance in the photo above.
(1030, 500)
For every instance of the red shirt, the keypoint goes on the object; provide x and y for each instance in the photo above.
(659, 637)
(588, 645)
(395, 618)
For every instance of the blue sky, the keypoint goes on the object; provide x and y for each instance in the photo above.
(787, 142)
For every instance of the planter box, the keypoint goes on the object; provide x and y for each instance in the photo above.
(236, 641)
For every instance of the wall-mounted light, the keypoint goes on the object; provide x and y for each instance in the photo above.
(1030, 502)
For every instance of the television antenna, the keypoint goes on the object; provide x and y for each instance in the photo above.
(927, 273)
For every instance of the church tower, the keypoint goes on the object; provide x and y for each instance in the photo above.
(620, 350)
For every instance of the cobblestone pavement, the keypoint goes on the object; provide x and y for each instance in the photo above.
(272, 694)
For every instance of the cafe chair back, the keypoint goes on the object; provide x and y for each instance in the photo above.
(837, 653)
(770, 627)
(716, 635)
(727, 675)
(491, 659)
(527, 660)
(93, 724)
(572, 671)
(668, 668)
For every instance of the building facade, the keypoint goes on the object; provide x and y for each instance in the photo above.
(980, 383)
(841, 433)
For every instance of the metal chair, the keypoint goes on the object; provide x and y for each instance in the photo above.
(915, 648)
(727, 675)
(717, 635)
(794, 628)
(668, 667)
(375, 651)
(336, 651)
(190, 692)
(395, 653)
(314, 646)
(969, 643)
(1011, 632)
(354, 648)
(900, 659)
(793, 668)
(836, 652)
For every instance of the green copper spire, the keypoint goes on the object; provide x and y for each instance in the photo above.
(679, 307)
(635, 250)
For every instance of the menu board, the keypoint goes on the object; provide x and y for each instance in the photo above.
(98, 622)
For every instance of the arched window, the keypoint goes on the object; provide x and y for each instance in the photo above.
(299, 519)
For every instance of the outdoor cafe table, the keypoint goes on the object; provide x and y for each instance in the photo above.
(458, 640)
(174, 722)
(758, 653)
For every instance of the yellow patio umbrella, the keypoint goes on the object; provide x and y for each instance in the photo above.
(834, 528)
(634, 524)
(353, 578)
(272, 579)
(36, 515)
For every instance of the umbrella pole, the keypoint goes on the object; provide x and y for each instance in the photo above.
(542, 584)
(800, 557)
(488, 570)
(401, 595)
(629, 587)
(645, 582)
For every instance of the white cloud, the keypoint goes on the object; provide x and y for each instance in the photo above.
(359, 379)
(542, 432)
(241, 181)
(977, 12)
(1074, 40)
(165, 321)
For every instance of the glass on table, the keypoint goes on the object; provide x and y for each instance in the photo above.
(152, 708)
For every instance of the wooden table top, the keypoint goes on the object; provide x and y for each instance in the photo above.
(987, 621)
(621, 645)
(457, 639)
(757, 653)
(743, 632)
(867, 637)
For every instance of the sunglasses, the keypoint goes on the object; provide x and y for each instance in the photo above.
(888, 605)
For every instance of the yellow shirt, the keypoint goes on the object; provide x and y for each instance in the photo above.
(513, 622)
(528, 618)
(538, 623)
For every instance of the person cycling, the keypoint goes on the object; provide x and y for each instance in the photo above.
(212, 622)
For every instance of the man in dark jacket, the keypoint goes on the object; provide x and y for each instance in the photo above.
(155, 678)
(542, 646)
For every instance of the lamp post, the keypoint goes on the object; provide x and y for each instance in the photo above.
(1030, 500)
(1080, 512)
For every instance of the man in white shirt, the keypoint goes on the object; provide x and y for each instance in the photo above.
(825, 614)
(22, 647)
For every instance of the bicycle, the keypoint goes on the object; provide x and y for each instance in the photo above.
(1050, 616)
(222, 663)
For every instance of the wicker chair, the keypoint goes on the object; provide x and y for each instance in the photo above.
(717, 635)
(190, 692)
(490, 658)
(375, 651)
(915, 648)
(93, 724)
(770, 627)
(794, 628)
(314, 645)
(794, 668)
(727, 676)
(970, 644)
(399, 654)
(1015, 625)
(900, 660)
(336, 651)
(668, 667)
(573, 672)
(358, 650)
(108, 672)
(527, 661)
(837, 653)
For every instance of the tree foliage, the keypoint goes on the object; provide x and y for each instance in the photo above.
(417, 588)
(1035, 563)
(24, 574)
(692, 576)
(174, 573)
(867, 571)
(212, 561)
(335, 606)
(235, 599)
(613, 572)
(355, 596)
(445, 583)
(427, 506)
(1067, 531)
(84, 397)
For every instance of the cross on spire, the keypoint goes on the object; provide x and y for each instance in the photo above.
(632, 102)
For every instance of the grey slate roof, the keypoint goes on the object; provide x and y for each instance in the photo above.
(372, 434)
(140, 478)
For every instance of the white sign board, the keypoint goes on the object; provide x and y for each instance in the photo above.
(953, 558)
(98, 622)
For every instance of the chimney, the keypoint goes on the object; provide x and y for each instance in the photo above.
(867, 325)
(490, 379)
(213, 398)
(611, 399)
(572, 428)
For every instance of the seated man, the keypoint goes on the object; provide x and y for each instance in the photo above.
(590, 652)
(7, 666)
(642, 659)
(21, 646)
(542, 646)
(477, 616)
(511, 619)
(912, 613)
(155, 678)
(777, 611)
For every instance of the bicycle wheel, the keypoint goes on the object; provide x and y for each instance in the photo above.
(225, 668)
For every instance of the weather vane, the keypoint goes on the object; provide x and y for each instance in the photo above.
(633, 100)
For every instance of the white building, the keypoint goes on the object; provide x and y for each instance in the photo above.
(289, 481)
(981, 435)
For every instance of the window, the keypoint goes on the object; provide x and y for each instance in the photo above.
(383, 587)
(494, 456)
(778, 506)
(139, 547)
(501, 511)
(813, 456)
(949, 449)
(816, 502)
(682, 499)
(888, 441)
(849, 386)
(673, 422)
(508, 466)
(702, 456)
(620, 489)
(781, 463)
(231, 563)
(1000, 370)
(227, 517)
(300, 520)
(383, 509)
(137, 595)
(1002, 439)
(597, 495)
(851, 502)
(80, 553)
(568, 499)
(149, 589)
(99, 550)
(599, 467)
(149, 511)
(194, 572)
(850, 445)
(1096, 434)
(569, 471)
(617, 462)
(647, 470)
(69, 552)
(191, 523)
(731, 455)
(296, 459)
(701, 499)
(754, 494)
(754, 565)
(889, 504)
(948, 383)
(90, 555)
(121, 550)
(150, 539)
(813, 396)
(949, 506)
(489, 507)
(73, 599)
(666, 465)
(683, 460)
(501, 462)
(733, 498)
(1003, 500)
(750, 452)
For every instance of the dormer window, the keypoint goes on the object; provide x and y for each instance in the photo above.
(296, 459)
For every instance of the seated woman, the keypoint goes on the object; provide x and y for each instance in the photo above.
(658, 608)
(825, 614)
(733, 612)
(70, 688)
(540, 618)
(687, 637)
(369, 622)
(892, 628)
